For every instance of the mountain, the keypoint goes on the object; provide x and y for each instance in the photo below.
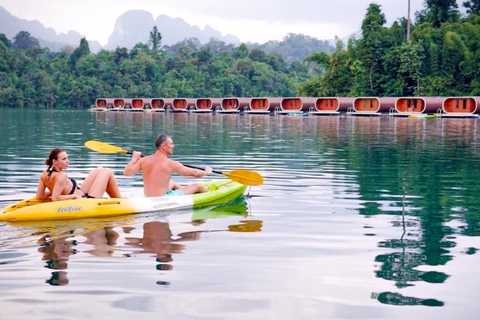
(134, 26)
(47, 37)
(175, 30)
(130, 29)
(295, 46)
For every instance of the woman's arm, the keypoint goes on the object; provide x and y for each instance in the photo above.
(59, 187)
(41, 194)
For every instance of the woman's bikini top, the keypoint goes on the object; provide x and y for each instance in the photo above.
(74, 183)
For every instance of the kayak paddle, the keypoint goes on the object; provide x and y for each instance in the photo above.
(248, 178)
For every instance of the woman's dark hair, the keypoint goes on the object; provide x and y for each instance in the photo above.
(53, 156)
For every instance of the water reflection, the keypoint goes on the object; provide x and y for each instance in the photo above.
(414, 249)
(103, 238)
(418, 177)
(157, 240)
(56, 253)
(400, 300)
(421, 170)
(57, 249)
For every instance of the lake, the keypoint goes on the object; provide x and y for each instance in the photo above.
(358, 218)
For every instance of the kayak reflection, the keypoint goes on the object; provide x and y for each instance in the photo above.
(136, 235)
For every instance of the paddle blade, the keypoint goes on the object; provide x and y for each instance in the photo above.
(248, 178)
(103, 147)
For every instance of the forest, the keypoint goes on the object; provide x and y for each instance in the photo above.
(437, 55)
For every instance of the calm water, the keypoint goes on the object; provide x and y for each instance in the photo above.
(359, 218)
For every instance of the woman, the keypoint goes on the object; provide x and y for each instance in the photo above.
(61, 187)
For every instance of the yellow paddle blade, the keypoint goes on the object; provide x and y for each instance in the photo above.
(103, 147)
(248, 178)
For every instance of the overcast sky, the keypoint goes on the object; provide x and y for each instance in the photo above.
(249, 20)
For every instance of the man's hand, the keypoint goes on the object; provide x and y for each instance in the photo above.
(136, 156)
(208, 170)
(133, 166)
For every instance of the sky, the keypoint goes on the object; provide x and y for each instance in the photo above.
(249, 20)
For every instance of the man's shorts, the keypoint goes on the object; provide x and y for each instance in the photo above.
(174, 193)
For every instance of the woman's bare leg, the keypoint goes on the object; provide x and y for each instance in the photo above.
(112, 186)
(90, 179)
(101, 180)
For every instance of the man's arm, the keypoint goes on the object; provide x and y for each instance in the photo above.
(135, 165)
(191, 172)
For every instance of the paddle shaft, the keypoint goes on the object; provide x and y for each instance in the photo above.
(203, 169)
(187, 165)
(245, 177)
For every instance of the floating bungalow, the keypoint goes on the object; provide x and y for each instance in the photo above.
(206, 105)
(262, 105)
(134, 105)
(460, 107)
(331, 105)
(371, 106)
(290, 106)
(410, 106)
(158, 104)
(102, 104)
(183, 104)
(233, 105)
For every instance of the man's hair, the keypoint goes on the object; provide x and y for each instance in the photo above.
(161, 139)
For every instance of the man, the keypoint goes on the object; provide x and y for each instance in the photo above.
(157, 170)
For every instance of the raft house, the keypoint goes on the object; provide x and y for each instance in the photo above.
(465, 106)
(330, 106)
(232, 105)
(262, 105)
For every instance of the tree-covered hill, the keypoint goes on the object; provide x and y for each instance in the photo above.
(441, 58)
(31, 76)
(294, 47)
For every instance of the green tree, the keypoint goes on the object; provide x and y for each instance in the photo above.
(241, 52)
(155, 39)
(24, 41)
(82, 50)
(244, 67)
(438, 12)
(5, 40)
(257, 55)
(473, 6)
(403, 66)
(371, 49)
(120, 54)
(205, 56)
(320, 60)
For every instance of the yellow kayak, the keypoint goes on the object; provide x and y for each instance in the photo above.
(221, 191)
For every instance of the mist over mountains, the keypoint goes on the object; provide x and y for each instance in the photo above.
(132, 27)
(47, 37)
